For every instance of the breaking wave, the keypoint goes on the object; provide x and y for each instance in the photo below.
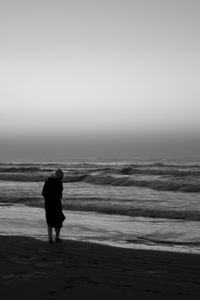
(23, 169)
(159, 171)
(157, 175)
(99, 205)
(159, 185)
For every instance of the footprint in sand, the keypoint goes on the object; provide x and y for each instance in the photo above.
(93, 281)
(68, 286)
(123, 285)
(51, 292)
(153, 291)
(70, 282)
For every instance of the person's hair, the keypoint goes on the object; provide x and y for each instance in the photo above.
(59, 173)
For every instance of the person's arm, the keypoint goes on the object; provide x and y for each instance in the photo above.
(44, 190)
(60, 189)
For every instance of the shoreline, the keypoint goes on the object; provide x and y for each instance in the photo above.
(33, 269)
(115, 230)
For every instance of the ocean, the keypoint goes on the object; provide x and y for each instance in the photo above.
(138, 204)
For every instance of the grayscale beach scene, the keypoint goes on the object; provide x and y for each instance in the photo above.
(99, 149)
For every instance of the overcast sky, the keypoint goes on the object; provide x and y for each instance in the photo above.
(109, 66)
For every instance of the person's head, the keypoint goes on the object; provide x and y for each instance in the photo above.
(59, 174)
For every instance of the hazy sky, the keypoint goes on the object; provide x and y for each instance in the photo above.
(109, 66)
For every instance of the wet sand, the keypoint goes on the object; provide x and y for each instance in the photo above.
(33, 269)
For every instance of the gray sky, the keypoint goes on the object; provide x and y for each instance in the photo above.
(97, 67)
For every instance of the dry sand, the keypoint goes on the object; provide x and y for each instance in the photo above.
(33, 269)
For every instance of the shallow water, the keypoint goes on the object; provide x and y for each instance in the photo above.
(131, 201)
(116, 230)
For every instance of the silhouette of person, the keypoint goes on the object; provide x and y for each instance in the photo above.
(52, 193)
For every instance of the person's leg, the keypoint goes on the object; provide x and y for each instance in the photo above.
(50, 232)
(57, 230)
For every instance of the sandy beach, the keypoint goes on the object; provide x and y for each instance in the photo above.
(33, 269)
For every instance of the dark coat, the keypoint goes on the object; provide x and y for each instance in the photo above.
(52, 193)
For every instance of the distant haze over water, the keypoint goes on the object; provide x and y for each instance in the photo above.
(100, 147)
